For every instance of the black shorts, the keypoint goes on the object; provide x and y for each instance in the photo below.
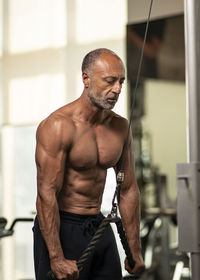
(76, 232)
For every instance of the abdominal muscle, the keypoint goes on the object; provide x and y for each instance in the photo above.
(82, 192)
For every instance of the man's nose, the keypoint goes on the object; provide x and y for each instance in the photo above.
(117, 87)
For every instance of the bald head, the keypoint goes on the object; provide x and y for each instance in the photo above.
(103, 74)
(90, 58)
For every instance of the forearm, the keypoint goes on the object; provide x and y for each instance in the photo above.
(49, 221)
(130, 213)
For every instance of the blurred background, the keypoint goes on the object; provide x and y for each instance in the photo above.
(42, 44)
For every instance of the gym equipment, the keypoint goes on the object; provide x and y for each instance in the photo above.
(8, 232)
(188, 178)
(96, 238)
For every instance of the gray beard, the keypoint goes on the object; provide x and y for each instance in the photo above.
(99, 103)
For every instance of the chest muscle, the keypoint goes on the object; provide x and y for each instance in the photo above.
(93, 148)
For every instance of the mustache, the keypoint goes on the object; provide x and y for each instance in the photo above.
(113, 96)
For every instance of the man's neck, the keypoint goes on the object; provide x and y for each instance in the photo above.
(87, 112)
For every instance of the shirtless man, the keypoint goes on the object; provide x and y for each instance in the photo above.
(75, 146)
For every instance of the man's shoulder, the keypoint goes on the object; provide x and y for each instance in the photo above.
(119, 120)
(58, 124)
(58, 118)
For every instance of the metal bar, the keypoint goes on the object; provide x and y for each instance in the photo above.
(195, 263)
(192, 39)
(188, 205)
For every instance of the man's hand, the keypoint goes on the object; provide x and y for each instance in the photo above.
(139, 264)
(65, 269)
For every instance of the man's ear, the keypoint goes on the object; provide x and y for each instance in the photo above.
(85, 78)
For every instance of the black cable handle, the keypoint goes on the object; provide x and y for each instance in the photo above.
(95, 240)
(87, 252)
(125, 244)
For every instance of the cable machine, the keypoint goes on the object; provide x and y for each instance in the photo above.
(188, 174)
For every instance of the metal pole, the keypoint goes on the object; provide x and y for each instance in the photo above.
(192, 185)
(192, 40)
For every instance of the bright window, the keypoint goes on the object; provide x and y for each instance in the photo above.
(32, 99)
(99, 20)
(36, 24)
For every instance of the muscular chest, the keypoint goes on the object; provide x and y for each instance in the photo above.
(96, 147)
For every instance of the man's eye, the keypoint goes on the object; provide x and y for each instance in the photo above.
(110, 81)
